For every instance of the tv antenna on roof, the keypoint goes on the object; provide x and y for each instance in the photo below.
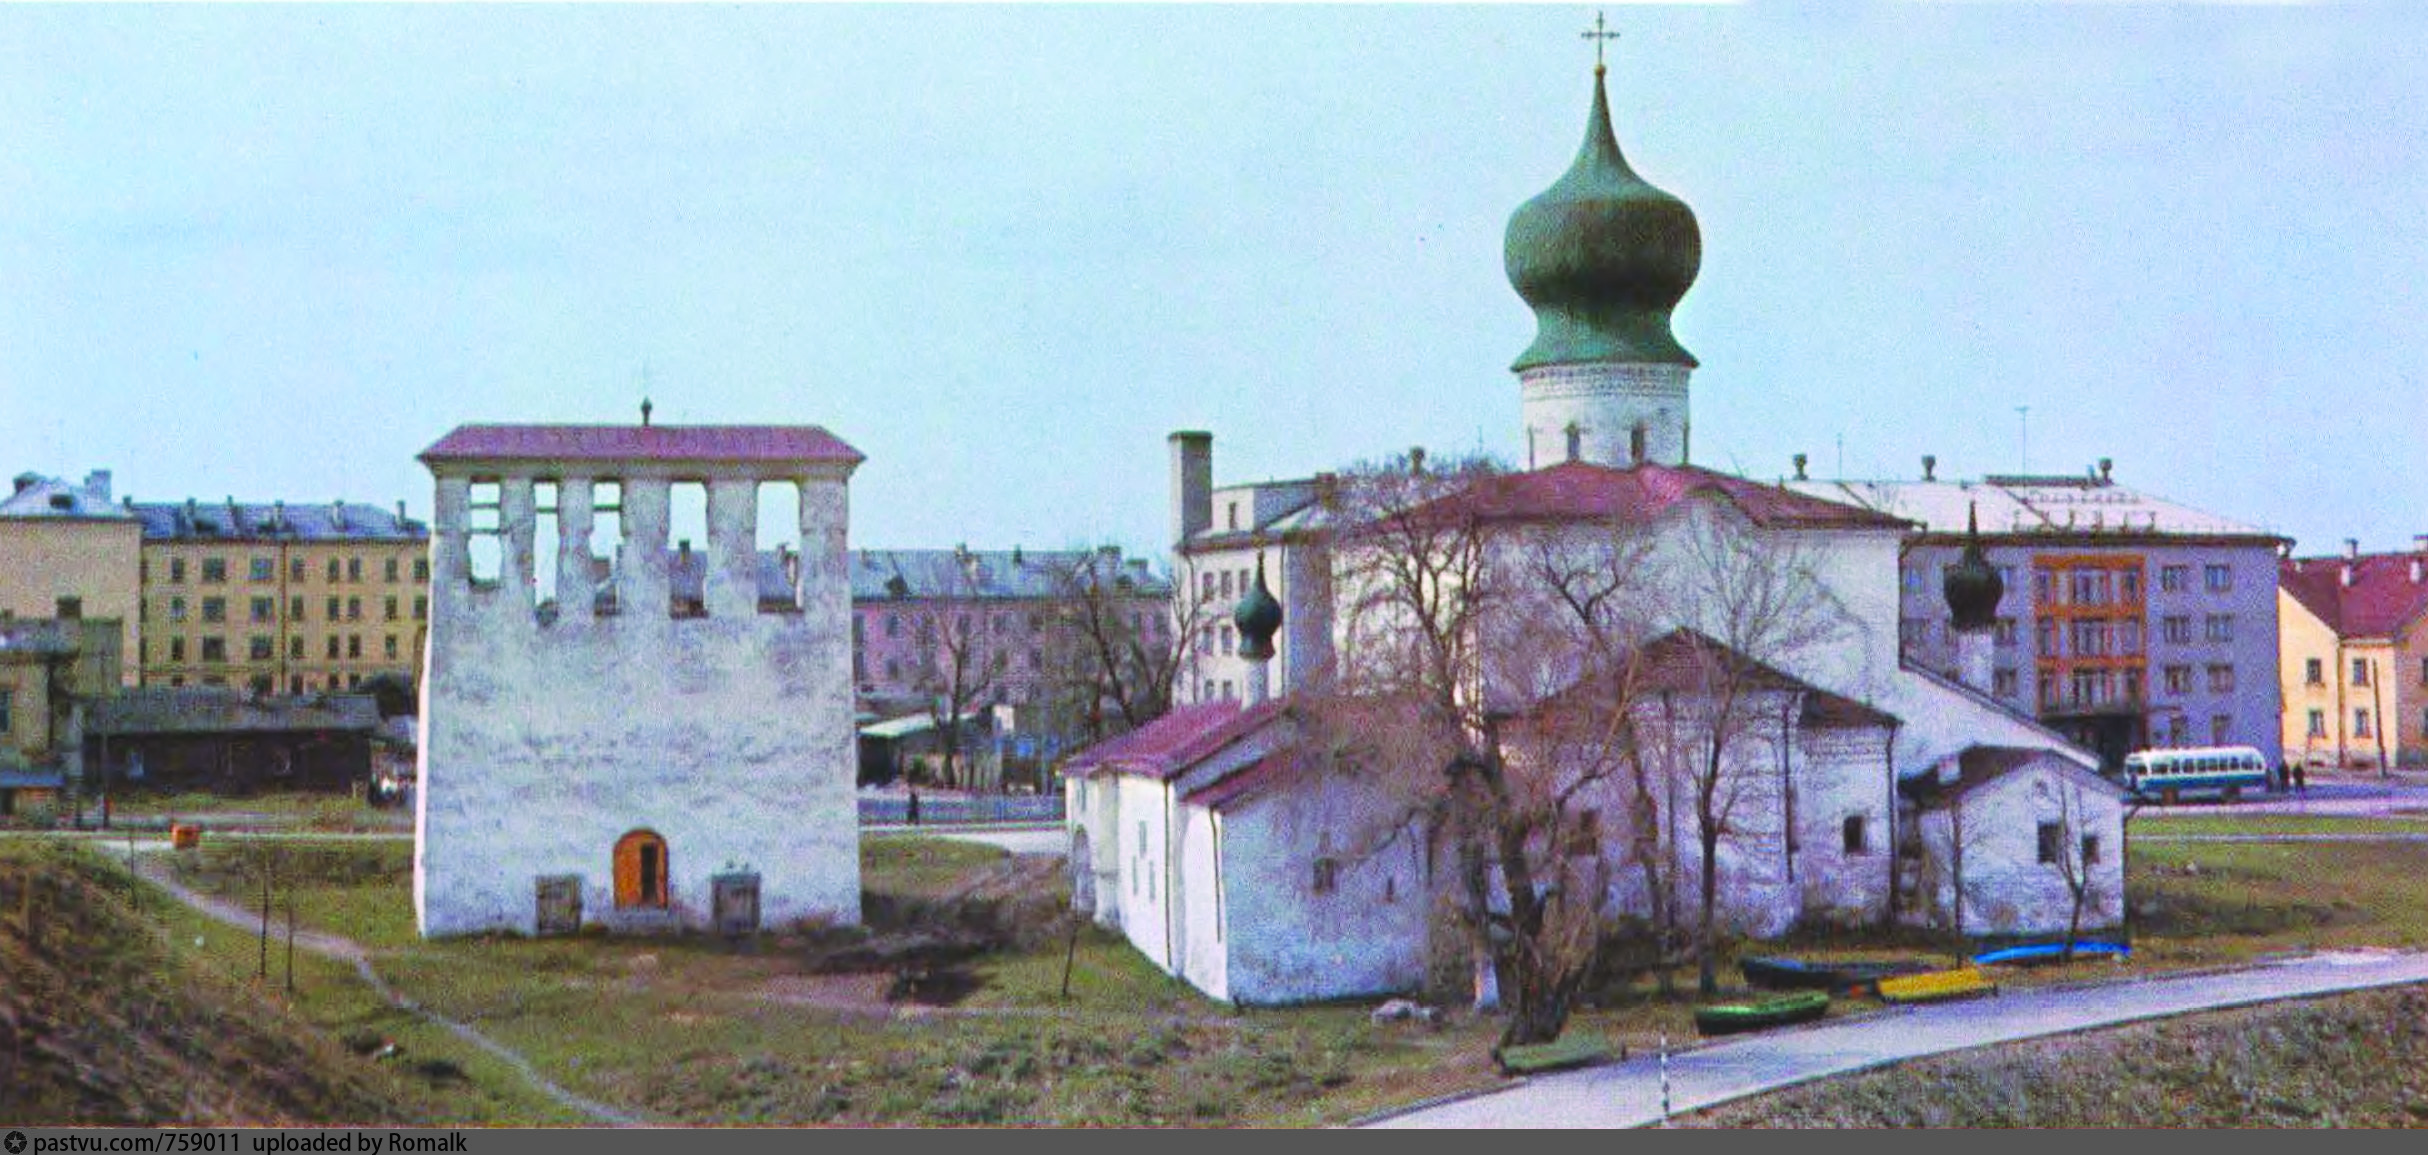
(2023, 419)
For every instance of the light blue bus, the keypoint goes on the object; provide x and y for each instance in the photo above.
(2172, 775)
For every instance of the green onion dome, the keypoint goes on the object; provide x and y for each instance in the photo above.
(1602, 257)
(1972, 586)
(1258, 617)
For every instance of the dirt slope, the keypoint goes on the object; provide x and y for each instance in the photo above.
(102, 1023)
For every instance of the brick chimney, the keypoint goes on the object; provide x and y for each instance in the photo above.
(1192, 483)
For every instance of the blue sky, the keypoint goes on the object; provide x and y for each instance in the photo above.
(276, 251)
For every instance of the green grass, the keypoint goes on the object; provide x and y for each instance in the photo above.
(360, 890)
(2263, 824)
(2196, 903)
(910, 866)
(330, 996)
(695, 1029)
(2357, 1060)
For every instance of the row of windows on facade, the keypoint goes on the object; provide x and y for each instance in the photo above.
(263, 647)
(2079, 637)
(2314, 671)
(1000, 623)
(2096, 585)
(1219, 586)
(262, 683)
(2179, 730)
(264, 569)
(1000, 662)
(265, 609)
(2361, 723)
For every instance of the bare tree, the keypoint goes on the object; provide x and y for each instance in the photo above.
(1755, 602)
(962, 661)
(1444, 659)
(1114, 651)
(1594, 591)
(2079, 851)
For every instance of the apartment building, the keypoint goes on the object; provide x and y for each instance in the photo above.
(278, 598)
(2128, 620)
(1004, 627)
(2354, 644)
(67, 550)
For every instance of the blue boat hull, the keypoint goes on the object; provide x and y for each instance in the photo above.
(2043, 953)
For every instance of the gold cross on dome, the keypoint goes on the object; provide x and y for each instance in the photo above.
(1599, 35)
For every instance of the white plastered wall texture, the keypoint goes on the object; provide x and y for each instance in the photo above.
(730, 736)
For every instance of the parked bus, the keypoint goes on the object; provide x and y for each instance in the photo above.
(2171, 775)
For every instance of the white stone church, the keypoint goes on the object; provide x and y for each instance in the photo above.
(1876, 792)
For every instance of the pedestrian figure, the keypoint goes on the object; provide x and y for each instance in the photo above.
(914, 808)
(2301, 778)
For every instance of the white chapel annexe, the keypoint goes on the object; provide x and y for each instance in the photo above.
(635, 752)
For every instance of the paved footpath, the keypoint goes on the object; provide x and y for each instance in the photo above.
(1628, 1094)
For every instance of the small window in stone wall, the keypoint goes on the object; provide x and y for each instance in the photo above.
(1585, 838)
(1855, 836)
(1326, 877)
(2090, 849)
(2052, 837)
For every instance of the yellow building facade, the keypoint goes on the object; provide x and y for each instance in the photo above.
(2353, 653)
(67, 551)
(281, 599)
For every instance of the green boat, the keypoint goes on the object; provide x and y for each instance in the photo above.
(1761, 1014)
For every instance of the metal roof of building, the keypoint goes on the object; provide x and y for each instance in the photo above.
(2386, 593)
(2029, 505)
(275, 521)
(1578, 491)
(1015, 574)
(34, 495)
(213, 710)
(669, 443)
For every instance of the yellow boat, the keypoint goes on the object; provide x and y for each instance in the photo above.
(1934, 986)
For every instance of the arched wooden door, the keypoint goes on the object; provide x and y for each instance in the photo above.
(640, 869)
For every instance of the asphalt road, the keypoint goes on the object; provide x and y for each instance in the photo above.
(1628, 1094)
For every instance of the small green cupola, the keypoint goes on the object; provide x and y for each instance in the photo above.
(1258, 617)
(1602, 257)
(1972, 586)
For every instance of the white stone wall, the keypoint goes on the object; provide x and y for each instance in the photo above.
(1842, 774)
(1605, 402)
(2007, 890)
(1204, 959)
(1287, 943)
(730, 736)
(1143, 843)
(1754, 894)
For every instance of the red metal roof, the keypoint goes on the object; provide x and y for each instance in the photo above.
(706, 443)
(1169, 745)
(2382, 599)
(1580, 491)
